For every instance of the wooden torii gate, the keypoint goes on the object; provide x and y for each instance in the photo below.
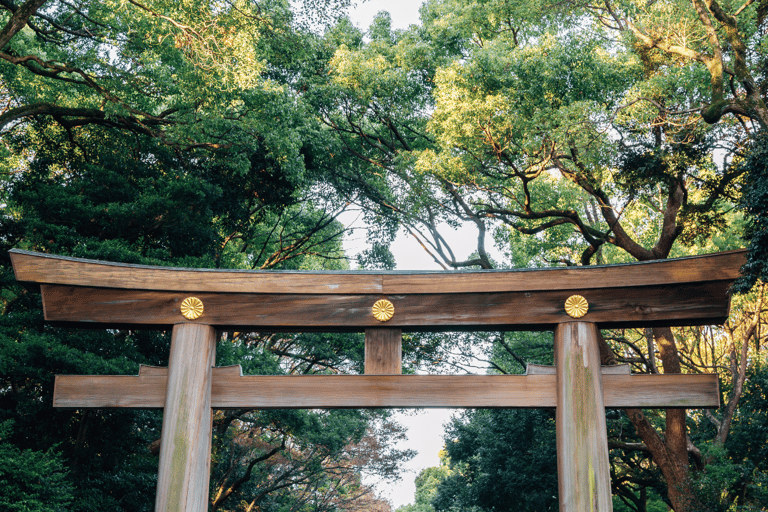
(196, 304)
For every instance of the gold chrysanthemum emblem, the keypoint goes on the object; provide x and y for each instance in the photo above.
(576, 306)
(383, 310)
(192, 308)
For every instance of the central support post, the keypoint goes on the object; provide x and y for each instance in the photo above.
(383, 351)
(185, 451)
(582, 448)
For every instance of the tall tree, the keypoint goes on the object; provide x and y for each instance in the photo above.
(561, 131)
(167, 133)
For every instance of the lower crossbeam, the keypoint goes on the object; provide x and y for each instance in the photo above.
(231, 390)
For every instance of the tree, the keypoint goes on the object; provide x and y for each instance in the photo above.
(31, 480)
(145, 67)
(702, 34)
(427, 482)
(561, 131)
(167, 133)
(148, 206)
(177, 133)
(754, 204)
(500, 460)
(495, 459)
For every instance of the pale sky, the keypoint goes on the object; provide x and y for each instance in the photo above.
(403, 12)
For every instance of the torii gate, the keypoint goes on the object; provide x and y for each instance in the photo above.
(195, 304)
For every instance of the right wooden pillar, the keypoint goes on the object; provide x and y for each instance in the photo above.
(582, 445)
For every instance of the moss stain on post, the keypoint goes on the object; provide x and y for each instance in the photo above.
(592, 486)
(180, 455)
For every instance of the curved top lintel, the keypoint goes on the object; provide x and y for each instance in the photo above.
(38, 268)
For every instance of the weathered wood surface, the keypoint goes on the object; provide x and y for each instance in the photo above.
(583, 469)
(185, 446)
(679, 304)
(38, 268)
(383, 351)
(541, 369)
(231, 391)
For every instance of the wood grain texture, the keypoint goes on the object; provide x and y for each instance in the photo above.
(583, 468)
(680, 304)
(185, 446)
(541, 369)
(231, 391)
(38, 268)
(383, 351)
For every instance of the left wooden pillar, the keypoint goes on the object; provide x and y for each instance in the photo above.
(185, 451)
(582, 443)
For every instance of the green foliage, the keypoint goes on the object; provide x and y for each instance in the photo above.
(171, 132)
(755, 202)
(712, 484)
(572, 132)
(515, 350)
(523, 119)
(647, 169)
(494, 459)
(427, 482)
(415, 508)
(93, 471)
(378, 256)
(183, 145)
(653, 504)
(31, 481)
(166, 214)
(315, 454)
(500, 460)
(742, 468)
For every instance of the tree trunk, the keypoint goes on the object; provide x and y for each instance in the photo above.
(671, 456)
(676, 433)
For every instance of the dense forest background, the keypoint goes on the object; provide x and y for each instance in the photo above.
(234, 133)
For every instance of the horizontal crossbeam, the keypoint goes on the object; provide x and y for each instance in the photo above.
(230, 390)
(83, 293)
(682, 304)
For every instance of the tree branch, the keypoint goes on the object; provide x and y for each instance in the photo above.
(223, 495)
(18, 20)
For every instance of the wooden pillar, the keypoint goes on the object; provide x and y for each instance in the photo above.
(383, 351)
(582, 444)
(185, 451)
